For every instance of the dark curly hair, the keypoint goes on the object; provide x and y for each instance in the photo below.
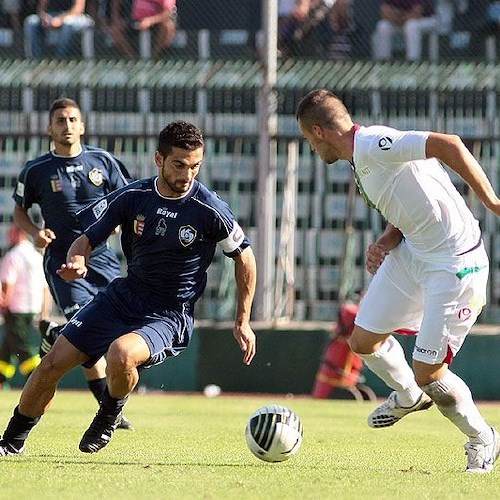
(179, 134)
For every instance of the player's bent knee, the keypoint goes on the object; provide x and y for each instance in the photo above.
(51, 369)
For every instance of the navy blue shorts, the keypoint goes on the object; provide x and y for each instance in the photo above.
(69, 296)
(119, 310)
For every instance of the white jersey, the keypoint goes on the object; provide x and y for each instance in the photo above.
(22, 269)
(413, 193)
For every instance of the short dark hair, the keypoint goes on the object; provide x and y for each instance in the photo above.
(179, 134)
(62, 103)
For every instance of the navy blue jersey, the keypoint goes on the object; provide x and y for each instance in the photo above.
(168, 242)
(63, 185)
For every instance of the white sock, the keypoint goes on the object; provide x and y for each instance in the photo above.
(454, 400)
(389, 363)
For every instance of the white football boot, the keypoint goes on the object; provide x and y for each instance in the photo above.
(389, 412)
(481, 457)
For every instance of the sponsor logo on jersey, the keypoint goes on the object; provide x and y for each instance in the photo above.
(74, 168)
(99, 209)
(187, 235)
(166, 213)
(139, 224)
(385, 143)
(161, 227)
(96, 177)
(55, 184)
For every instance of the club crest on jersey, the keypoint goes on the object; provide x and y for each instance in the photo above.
(139, 224)
(187, 235)
(96, 177)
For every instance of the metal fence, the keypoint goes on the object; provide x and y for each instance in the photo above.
(320, 210)
(126, 103)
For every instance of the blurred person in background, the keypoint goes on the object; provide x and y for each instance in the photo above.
(115, 15)
(292, 14)
(159, 15)
(339, 374)
(50, 32)
(125, 19)
(13, 10)
(24, 296)
(314, 28)
(410, 18)
(62, 182)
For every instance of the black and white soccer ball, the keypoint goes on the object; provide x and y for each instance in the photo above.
(274, 433)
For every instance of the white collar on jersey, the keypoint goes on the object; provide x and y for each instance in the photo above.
(53, 152)
(172, 197)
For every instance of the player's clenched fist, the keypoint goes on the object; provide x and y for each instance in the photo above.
(374, 257)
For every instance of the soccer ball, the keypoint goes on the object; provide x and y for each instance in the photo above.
(274, 433)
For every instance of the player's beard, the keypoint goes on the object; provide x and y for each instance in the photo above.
(172, 185)
(66, 140)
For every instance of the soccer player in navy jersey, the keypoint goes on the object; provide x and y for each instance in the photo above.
(62, 182)
(171, 224)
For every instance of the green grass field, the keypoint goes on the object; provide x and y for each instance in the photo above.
(190, 446)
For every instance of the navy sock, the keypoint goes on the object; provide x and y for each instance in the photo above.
(97, 387)
(110, 405)
(18, 428)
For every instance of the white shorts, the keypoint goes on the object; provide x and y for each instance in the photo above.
(440, 303)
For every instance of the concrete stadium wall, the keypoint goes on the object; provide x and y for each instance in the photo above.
(286, 362)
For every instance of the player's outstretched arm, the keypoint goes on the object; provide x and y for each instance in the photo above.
(76, 259)
(246, 277)
(451, 150)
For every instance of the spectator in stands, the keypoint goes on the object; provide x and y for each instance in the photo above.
(313, 28)
(159, 15)
(411, 18)
(12, 8)
(338, 23)
(292, 15)
(117, 19)
(24, 295)
(54, 25)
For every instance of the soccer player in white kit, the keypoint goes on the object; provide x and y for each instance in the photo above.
(430, 267)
